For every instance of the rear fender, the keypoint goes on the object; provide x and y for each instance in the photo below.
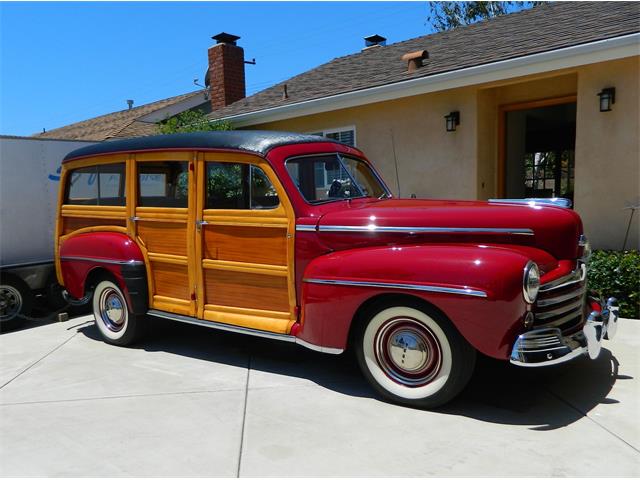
(478, 287)
(84, 255)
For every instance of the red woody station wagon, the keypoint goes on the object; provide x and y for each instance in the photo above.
(297, 238)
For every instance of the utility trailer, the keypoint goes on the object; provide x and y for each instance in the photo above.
(29, 181)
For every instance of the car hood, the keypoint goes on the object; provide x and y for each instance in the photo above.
(553, 229)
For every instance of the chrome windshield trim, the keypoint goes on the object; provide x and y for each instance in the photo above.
(400, 286)
(305, 228)
(244, 330)
(532, 202)
(338, 155)
(377, 229)
(68, 258)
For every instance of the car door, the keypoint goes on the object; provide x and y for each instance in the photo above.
(164, 223)
(244, 244)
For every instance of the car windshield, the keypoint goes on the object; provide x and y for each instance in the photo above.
(330, 177)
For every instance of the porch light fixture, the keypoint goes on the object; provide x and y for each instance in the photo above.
(453, 120)
(607, 98)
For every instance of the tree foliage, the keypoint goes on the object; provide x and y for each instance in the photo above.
(192, 121)
(448, 15)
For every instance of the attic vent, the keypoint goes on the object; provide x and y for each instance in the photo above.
(414, 59)
(374, 41)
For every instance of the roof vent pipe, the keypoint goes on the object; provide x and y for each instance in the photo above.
(130, 103)
(414, 59)
(374, 41)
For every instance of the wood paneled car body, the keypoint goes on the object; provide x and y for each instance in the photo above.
(296, 238)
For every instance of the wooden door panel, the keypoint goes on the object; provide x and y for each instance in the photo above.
(246, 290)
(171, 280)
(164, 224)
(245, 254)
(251, 244)
(164, 237)
(166, 248)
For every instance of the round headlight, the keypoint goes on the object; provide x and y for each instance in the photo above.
(531, 282)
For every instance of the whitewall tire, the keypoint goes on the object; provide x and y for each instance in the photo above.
(116, 323)
(413, 355)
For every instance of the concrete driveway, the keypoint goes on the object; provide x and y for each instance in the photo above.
(190, 401)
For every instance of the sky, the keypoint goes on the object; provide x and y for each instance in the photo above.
(63, 62)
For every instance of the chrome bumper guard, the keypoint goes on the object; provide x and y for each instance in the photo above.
(547, 346)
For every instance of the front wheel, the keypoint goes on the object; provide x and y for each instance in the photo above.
(413, 355)
(116, 323)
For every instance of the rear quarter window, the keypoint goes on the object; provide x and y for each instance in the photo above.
(97, 185)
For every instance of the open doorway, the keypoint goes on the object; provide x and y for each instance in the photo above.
(538, 149)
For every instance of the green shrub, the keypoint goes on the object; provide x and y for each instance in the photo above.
(617, 274)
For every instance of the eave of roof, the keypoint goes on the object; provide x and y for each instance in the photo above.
(598, 51)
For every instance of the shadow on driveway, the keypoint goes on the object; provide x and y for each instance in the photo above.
(545, 399)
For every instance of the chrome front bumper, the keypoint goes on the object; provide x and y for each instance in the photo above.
(547, 346)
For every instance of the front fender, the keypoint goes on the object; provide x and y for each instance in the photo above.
(478, 287)
(111, 251)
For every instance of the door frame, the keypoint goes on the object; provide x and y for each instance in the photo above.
(278, 322)
(502, 129)
(163, 215)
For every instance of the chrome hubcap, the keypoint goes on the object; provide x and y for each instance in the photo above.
(10, 302)
(112, 310)
(408, 352)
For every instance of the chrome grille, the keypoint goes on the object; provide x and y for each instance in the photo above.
(561, 303)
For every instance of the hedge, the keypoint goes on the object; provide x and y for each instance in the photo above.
(617, 274)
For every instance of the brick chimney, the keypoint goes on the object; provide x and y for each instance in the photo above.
(226, 71)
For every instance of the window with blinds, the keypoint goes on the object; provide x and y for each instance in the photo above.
(343, 135)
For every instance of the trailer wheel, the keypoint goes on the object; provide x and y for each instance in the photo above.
(117, 324)
(16, 301)
(413, 355)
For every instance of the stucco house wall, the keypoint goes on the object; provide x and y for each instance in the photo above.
(608, 153)
(408, 136)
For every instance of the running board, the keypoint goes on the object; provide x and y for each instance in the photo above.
(243, 330)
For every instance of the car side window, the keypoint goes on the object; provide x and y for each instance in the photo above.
(97, 185)
(239, 186)
(163, 184)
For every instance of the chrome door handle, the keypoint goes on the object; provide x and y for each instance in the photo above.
(134, 219)
(200, 223)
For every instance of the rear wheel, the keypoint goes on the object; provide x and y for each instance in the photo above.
(116, 323)
(16, 301)
(412, 355)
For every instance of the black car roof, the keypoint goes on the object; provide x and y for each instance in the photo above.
(254, 141)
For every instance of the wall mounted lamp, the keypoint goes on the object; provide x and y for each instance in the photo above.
(453, 120)
(607, 98)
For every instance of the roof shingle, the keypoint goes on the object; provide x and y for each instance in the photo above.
(549, 26)
(120, 124)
